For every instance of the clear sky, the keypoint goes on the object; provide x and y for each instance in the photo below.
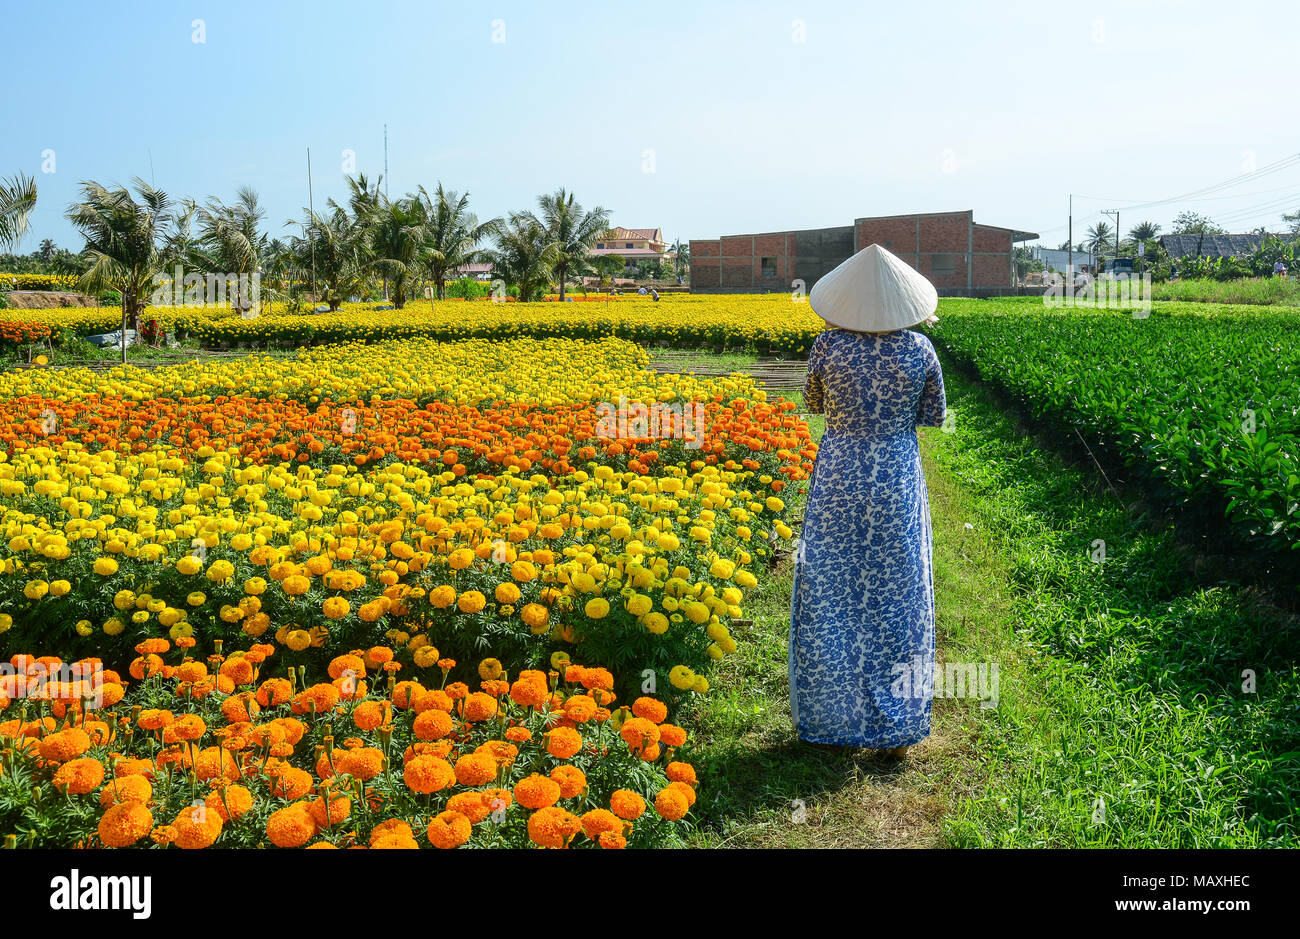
(702, 118)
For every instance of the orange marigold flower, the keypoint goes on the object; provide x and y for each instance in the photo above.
(529, 692)
(340, 807)
(598, 821)
(425, 774)
(537, 792)
(124, 824)
(650, 709)
(476, 769)
(686, 791)
(627, 804)
(671, 735)
(126, 789)
(612, 840)
(230, 802)
(274, 691)
(472, 805)
(671, 804)
(214, 762)
(571, 779)
(553, 827)
(681, 772)
(289, 782)
(370, 714)
(79, 776)
(480, 707)
(434, 699)
(391, 827)
(197, 827)
(291, 826)
(639, 734)
(363, 763)
(432, 725)
(449, 830)
(563, 742)
(64, 745)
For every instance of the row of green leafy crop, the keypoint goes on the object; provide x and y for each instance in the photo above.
(1207, 406)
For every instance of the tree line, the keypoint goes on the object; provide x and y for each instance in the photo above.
(138, 234)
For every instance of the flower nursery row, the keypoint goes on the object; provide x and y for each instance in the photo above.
(1200, 399)
(471, 441)
(232, 749)
(519, 371)
(778, 322)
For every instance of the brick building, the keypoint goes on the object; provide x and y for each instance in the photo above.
(960, 256)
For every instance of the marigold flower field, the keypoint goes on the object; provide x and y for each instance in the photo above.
(333, 599)
(770, 322)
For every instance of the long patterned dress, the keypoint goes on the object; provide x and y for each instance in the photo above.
(862, 613)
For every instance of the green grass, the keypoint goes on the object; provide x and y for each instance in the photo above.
(1266, 291)
(1121, 720)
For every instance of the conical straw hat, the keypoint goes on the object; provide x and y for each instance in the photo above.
(874, 291)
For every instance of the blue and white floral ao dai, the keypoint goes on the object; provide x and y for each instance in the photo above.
(862, 613)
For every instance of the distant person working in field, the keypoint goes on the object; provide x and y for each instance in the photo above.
(1279, 269)
(863, 603)
(654, 295)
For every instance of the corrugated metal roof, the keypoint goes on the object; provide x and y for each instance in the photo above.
(1211, 246)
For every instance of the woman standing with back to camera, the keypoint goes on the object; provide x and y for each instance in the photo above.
(862, 611)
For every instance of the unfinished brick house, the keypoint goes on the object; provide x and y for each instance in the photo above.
(960, 256)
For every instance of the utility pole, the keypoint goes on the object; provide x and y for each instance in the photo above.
(1115, 213)
(385, 161)
(311, 227)
(1069, 267)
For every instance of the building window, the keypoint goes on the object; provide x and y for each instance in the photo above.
(628, 245)
(600, 244)
(943, 264)
(769, 267)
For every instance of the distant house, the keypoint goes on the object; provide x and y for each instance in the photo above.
(478, 271)
(1212, 246)
(633, 245)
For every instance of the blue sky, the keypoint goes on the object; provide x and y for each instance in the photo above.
(759, 115)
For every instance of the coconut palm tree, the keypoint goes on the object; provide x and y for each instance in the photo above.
(524, 255)
(123, 238)
(452, 234)
(570, 231)
(17, 200)
(682, 258)
(341, 245)
(397, 244)
(1144, 231)
(1099, 237)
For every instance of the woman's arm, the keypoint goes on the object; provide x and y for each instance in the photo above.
(934, 405)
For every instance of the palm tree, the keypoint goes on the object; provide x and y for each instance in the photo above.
(397, 240)
(341, 251)
(1144, 231)
(122, 241)
(570, 231)
(17, 200)
(608, 266)
(1099, 237)
(525, 254)
(682, 259)
(452, 234)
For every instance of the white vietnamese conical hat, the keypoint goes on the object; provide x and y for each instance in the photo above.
(874, 291)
